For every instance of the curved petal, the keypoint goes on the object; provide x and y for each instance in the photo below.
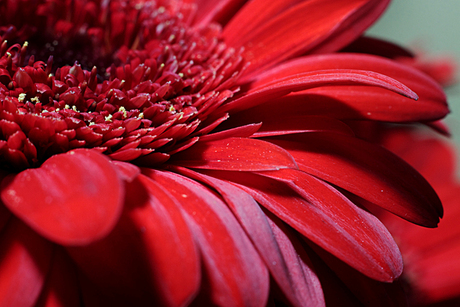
(236, 274)
(301, 28)
(268, 89)
(25, 259)
(235, 154)
(72, 199)
(356, 101)
(369, 171)
(326, 217)
(150, 257)
(299, 291)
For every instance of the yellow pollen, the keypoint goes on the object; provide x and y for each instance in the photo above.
(108, 118)
(22, 96)
(122, 109)
(74, 108)
(141, 115)
(66, 107)
(35, 99)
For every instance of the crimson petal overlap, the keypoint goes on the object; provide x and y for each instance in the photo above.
(267, 90)
(326, 217)
(307, 285)
(61, 288)
(25, 259)
(72, 199)
(298, 291)
(290, 33)
(235, 154)
(369, 171)
(236, 274)
(342, 101)
(157, 251)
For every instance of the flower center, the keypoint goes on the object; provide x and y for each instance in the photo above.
(128, 78)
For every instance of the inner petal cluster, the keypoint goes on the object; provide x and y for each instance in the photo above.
(154, 99)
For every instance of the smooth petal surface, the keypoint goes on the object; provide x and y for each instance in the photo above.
(358, 102)
(369, 171)
(72, 199)
(235, 154)
(267, 90)
(299, 289)
(301, 28)
(236, 274)
(25, 259)
(150, 257)
(61, 288)
(326, 217)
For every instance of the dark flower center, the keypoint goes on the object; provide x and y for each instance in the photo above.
(128, 78)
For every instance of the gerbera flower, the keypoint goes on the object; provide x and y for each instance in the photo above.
(192, 152)
(431, 258)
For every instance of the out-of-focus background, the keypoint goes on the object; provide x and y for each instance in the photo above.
(433, 26)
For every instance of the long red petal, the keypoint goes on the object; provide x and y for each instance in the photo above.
(25, 259)
(235, 154)
(369, 171)
(326, 217)
(305, 279)
(150, 256)
(298, 291)
(237, 276)
(267, 90)
(303, 27)
(72, 199)
(358, 102)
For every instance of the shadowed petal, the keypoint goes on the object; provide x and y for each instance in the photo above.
(335, 23)
(236, 274)
(369, 171)
(235, 154)
(326, 217)
(61, 289)
(150, 257)
(25, 259)
(268, 89)
(343, 101)
(253, 220)
(74, 198)
(305, 279)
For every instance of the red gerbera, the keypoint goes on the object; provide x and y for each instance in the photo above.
(195, 151)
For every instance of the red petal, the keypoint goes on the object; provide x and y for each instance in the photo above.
(354, 101)
(256, 225)
(327, 218)
(278, 86)
(61, 289)
(236, 274)
(73, 198)
(150, 257)
(25, 259)
(239, 154)
(369, 171)
(301, 28)
(305, 280)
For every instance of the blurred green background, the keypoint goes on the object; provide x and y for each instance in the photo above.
(433, 25)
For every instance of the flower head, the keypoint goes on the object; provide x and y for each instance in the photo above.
(176, 152)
